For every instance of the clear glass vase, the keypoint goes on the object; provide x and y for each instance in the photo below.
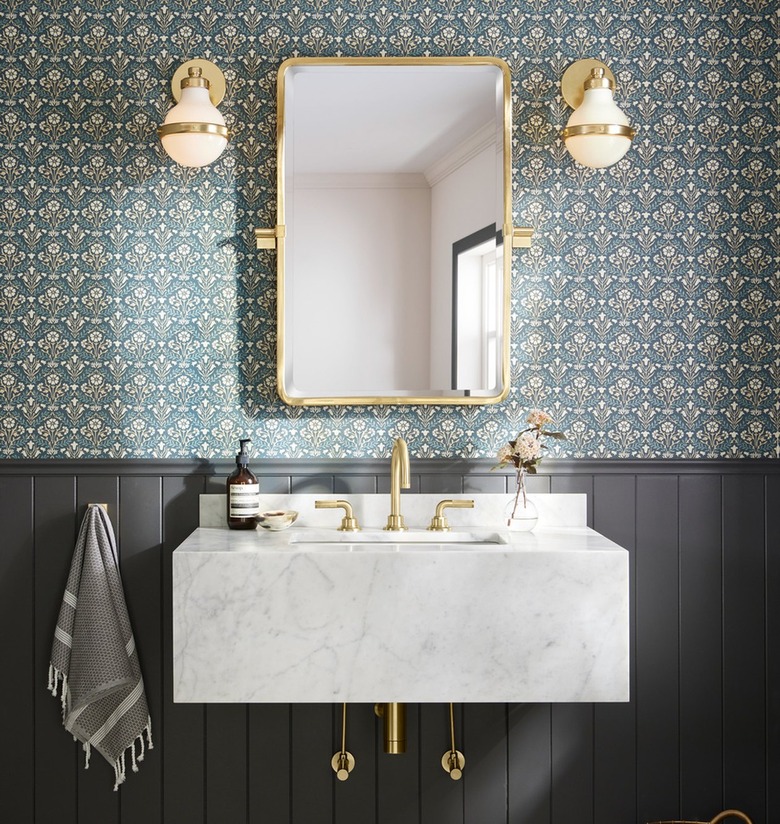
(521, 514)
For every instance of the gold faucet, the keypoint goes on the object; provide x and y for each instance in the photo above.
(399, 477)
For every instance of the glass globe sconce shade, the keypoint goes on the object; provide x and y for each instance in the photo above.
(598, 133)
(194, 132)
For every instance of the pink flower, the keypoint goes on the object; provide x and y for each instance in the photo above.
(527, 447)
(538, 419)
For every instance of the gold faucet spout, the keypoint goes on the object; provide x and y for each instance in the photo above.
(399, 478)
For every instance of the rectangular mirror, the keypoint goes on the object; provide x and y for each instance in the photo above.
(394, 237)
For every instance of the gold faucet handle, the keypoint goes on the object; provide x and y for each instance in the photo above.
(439, 522)
(349, 521)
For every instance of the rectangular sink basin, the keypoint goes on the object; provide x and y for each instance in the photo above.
(409, 538)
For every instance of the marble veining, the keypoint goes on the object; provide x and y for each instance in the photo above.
(261, 618)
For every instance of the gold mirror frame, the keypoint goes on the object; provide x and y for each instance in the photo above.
(513, 236)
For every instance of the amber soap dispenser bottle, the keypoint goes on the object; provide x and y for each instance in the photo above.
(243, 493)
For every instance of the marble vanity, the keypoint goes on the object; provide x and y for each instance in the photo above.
(311, 614)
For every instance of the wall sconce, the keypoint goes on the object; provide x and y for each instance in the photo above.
(598, 133)
(194, 132)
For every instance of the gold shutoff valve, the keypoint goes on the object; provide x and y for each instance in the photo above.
(349, 521)
(439, 522)
(453, 761)
(343, 762)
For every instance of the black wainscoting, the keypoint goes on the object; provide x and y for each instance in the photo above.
(701, 733)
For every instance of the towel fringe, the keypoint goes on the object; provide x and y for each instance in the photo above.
(59, 679)
(87, 754)
(120, 765)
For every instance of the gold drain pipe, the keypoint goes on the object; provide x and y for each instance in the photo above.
(394, 726)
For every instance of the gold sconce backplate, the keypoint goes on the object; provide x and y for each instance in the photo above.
(208, 70)
(573, 80)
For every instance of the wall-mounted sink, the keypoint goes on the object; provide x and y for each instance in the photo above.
(272, 617)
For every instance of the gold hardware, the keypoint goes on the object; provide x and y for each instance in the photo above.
(394, 726)
(575, 77)
(267, 238)
(521, 237)
(439, 522)
(204, 73)
(599, 128)
(453, 761)
(282, 353)
(103, 506)
(399, 477)
(349, 521)
(343, 762)
(193, 128)
(719, 817)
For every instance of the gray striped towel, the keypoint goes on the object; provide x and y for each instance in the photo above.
(94, 662)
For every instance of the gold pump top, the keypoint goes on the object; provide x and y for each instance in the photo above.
(598, 80)
(194, 79)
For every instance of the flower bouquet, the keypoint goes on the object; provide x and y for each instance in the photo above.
(525, 454)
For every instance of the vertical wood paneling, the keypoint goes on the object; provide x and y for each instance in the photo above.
(227, 799)
(530, 764)
(180, 737)
(98, 803)
(744, 691)
(441, 798)
(572, 763)
(56, 771)
(657, 648)
(614, 746)
(270, 763)
(704, 615)
(701, 734)
(17, 617)
(311, 778)
(140, 541)
(773, 645)
(484, 747)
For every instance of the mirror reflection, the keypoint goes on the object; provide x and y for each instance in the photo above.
(394, 199)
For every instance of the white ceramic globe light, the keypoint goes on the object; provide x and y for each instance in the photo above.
(598, 133)
(194, 132)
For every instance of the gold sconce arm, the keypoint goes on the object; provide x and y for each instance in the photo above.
(349, 521)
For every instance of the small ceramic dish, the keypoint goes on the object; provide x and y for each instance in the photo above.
(277, 519)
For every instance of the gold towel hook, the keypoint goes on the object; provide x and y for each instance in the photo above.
(104, 506)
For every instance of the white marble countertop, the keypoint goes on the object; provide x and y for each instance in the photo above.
(259, 617)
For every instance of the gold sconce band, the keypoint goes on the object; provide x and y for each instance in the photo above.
(266, 238)
(193, 128)
(599, 128)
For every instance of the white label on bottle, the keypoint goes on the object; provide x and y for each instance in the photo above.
(244, 500)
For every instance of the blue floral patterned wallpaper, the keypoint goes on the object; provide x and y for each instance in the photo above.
(137, 320)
